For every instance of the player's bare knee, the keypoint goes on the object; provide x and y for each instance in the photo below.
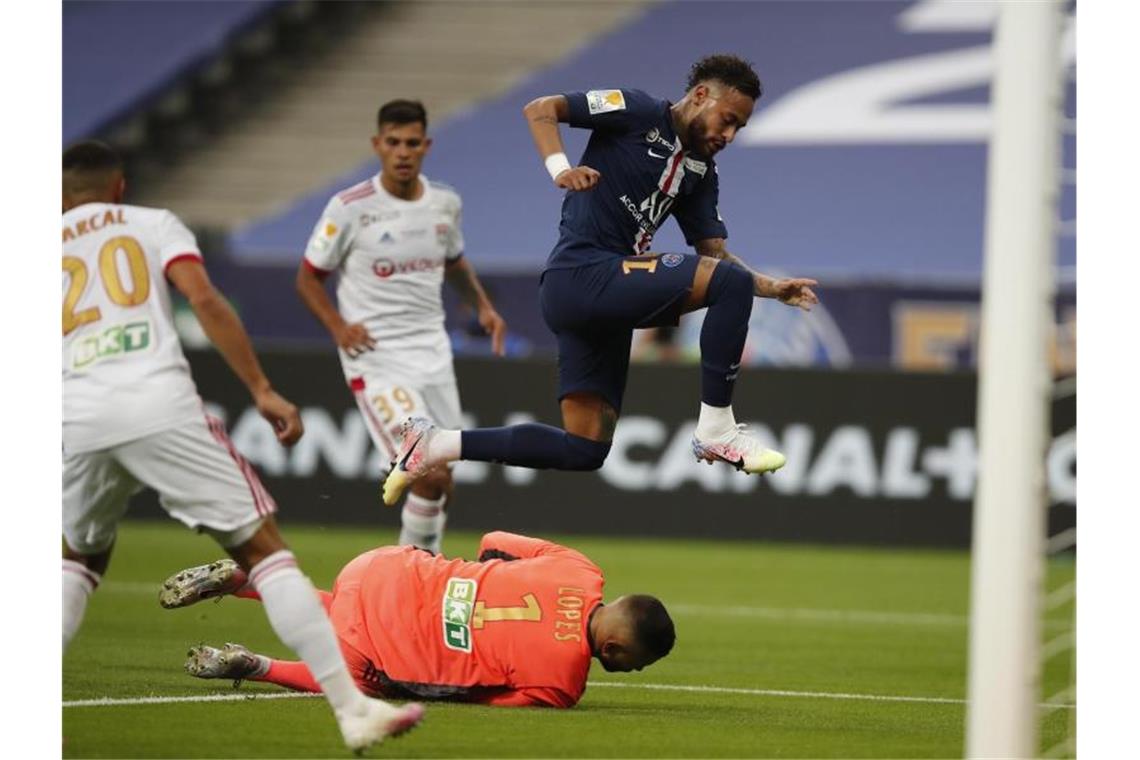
(434, 484)
(249, 549)
(95, 561)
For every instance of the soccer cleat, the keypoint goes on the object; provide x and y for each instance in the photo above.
(741, 450)
(378, 721)
(231, 661)
(194, 584)
(410, 462)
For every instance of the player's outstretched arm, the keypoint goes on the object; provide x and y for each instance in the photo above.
(530, 697)
(461, 276)
(542, 116)
(794, 291)
(354, 338)
(501, 542)
(226, 331)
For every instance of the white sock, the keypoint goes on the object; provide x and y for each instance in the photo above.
(79, 583)
(296, 614)
(445, 446)
(422, 522)
(715, 422)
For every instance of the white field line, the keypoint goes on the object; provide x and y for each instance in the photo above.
(112, 702)
(808, 615)
(794, 614)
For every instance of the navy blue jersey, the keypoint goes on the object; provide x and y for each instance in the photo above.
(646, 176)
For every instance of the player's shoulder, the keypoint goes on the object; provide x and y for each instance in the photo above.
(445, 192)
(355, 193)
(629, 99)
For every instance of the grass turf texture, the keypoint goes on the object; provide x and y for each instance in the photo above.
(749, 616)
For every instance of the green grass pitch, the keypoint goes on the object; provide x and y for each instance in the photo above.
(782, 651)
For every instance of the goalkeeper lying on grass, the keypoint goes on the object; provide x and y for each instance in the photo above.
(518, 627)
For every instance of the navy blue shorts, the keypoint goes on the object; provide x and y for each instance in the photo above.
(594, 309)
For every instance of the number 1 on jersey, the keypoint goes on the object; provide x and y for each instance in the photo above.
(530, 612)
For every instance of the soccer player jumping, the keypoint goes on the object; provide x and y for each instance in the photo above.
(646, 159)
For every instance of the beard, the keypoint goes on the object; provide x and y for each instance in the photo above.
(698, 143)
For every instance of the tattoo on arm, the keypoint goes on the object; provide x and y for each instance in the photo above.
(545, 119)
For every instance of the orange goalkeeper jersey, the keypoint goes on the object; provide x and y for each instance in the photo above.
(510, 630)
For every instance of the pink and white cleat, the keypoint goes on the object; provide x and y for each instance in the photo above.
(378, 721)
(740, 450)
(411, 460)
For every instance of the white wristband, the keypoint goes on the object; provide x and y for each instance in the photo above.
(556, 163)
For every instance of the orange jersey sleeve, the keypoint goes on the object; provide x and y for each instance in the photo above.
(498, 632)
(502, 545)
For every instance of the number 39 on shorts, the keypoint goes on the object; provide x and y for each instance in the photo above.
(396, 402)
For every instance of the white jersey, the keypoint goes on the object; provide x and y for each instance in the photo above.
(390, 254)
(124, 374)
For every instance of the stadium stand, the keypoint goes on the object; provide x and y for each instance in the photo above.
(836, 202)
(119, 58)
(314, 127)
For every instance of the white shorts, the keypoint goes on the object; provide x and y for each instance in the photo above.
(385, 403)
(200, 478)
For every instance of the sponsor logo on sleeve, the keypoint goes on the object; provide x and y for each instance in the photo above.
(695, 166)
(328, 230)
(604, 101)
(457, 609)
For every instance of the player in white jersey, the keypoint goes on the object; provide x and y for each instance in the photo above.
(393, 239)
(132, 417)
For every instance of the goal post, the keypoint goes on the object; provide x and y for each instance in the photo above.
(1007, 561)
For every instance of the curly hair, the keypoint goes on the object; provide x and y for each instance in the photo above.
(731, 70)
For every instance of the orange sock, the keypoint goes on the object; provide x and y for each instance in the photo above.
(291, 675)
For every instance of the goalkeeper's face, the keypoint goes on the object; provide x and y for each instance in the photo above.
(631, 633)
(625, 658)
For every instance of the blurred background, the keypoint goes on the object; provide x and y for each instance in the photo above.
(864, 167)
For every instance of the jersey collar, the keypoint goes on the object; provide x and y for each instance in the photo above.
(423, 199)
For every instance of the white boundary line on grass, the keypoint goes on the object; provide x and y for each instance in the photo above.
(113, 702)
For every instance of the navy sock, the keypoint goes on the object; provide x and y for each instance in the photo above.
(724, 332)
(539, 447)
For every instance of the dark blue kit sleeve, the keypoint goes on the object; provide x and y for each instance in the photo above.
(615, 110)
(697, 212)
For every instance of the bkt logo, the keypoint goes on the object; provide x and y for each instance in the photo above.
(385, 268)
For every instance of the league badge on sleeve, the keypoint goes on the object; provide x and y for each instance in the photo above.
(604, 101)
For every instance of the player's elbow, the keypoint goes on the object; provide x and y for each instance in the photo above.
(543, 106)
(206, 300)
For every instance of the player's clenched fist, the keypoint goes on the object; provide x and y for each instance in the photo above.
(281, 414)
(578, 178)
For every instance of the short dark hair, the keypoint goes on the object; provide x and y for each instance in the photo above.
(402, 112)
(652, 625)
(91, 156)
(731, 70)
